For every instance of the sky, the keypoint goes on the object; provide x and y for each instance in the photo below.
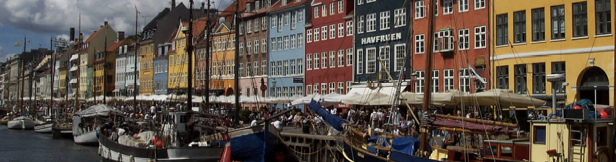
(41, 20)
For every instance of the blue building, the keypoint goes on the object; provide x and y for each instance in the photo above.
(382, 36)
(161, 69)
(286, 56)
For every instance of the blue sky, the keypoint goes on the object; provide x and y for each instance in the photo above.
(38, 20)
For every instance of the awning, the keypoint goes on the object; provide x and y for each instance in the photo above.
(74, 57)
(73, 81)
(74, 68)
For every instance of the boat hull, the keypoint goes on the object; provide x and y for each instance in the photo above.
(88, 138)
(112, 151)
(353, 154)
(43, 128)
(58, 131)
(3, 122)
(20, 124)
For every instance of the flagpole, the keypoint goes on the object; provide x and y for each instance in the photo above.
(136, 53)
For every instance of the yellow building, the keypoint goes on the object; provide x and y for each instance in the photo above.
(533, 39)
(146, 71)
(178, 62)
(223, 58)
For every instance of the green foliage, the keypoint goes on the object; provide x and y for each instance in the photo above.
(245, 115)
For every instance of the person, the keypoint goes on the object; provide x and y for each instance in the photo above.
(333, 111)
(451, 140)
(277, 124)
(121, 131)
(374, 118)
(531, 115)
(152, 110)
(542, 115)
(253, 123)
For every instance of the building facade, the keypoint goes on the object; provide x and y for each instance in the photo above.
(222, 60)
(533, 39)
(329, 47)
(97, 42)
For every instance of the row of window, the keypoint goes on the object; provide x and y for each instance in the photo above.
(463, 6)
(328, 88)
(254, 48)
(332, 32)
(178, 60)
(145, 84)
(283, 19)
(557, 18)
(250, 28)
(464, 79)
(160, 86)
(334, 59)
(520, 72)
(125, 76)
(332, 9)
(444, 40)
(285, 67)
(284, 91)
(384, 23)
(160, 68)
(280, 43)
(175, 78)
(383, 57)
(220, 44)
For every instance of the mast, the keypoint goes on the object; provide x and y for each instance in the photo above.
(237, 63)
(136, 53)
(53, 67)
(23, 57)
(94, 80)
(104, 72)
(207, 57)
(428, 70)
(189, 53)
(78, 67)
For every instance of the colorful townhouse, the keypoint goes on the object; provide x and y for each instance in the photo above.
(533, 39)
(97, 42)
(124, 68)
(254, 50)
(161, 65)
(382, 42)
(104, 68)
(222, 60)
(329, 47)
(287, 48)
(460, 58)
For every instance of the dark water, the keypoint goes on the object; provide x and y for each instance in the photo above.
(28, 146)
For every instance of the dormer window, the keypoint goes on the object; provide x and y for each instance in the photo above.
(284, 2)
(257, 6)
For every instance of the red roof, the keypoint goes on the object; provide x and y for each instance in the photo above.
(279, 6)
(94, 34)
(230, 10)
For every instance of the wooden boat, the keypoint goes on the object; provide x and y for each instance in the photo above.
(4, 120)
(62, 129)
(21, 123)
(43, 127)
(86, 123)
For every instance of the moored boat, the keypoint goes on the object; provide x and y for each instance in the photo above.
(43, 127)
(21, 122)
(87, 122)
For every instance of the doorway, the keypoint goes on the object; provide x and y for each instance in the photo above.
(594, 85)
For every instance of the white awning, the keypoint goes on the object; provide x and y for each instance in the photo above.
(74, 57)
(73, 81)
(74, 68)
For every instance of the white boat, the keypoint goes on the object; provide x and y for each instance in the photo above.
(21, 122)
(86, 123)
(43, 127)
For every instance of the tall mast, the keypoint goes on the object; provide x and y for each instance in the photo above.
(105, 72)
(428, 70)
(207, 57)
(237, 63)
(23, 59)
(136, 53)
(78, 67)
(189, 53)
(53, 67)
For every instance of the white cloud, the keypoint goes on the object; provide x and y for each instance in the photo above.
(53, 16)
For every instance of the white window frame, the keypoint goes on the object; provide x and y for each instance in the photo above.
(463, 39)
(371, 22)
(400, 54)
(370, 1)
(332, 8)
(480, 36)
(360, 25)
(279, 43)
(248, 47)
(308, 35)
(332, 31)
(447, 7)
(248, 28)
(256, 47)
(300, 66)
(340, 58)
(293, 18)
(480, 4)
(300, 16)
(419, 83)
(300, 40)
(317, 62)
(286, 42)
(348, 86)
(293, 42)
(263, 67)
(263, 23)
(309, 87)
(263, 45)
(324, 32)
(420, 43)
(332, 87)
(385, 20)
(332, 59)
(371, 60)
(285, 67)
(360, 61)
(286, 18)
(323, 88)
(399, 17)
(385, 57)
(273, 44)
(349, 56)
(273, 71)
(324, 10)
(316, 12)
(340, 88)
(420, 9)
(349, 28)
(323, 60)
(291, 67)
(464, 79)
(463, 5)
(435, 83)
(316, 34)
(340, 30)
(340, 6)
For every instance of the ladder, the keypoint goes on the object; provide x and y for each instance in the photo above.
(577, 155)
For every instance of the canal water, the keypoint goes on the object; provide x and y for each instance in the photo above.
(28, 146)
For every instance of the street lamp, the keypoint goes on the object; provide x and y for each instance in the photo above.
(554, 78)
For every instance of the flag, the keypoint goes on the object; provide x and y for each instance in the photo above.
(17, 44)
(137, 9)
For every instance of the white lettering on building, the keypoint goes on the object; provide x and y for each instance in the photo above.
(381, 38)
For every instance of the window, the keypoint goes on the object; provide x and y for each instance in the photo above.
(286, 18)
(558, 68)
(371, 60)
(248, 27)
(291, 91)
(279, 43)
(371, 22)
(255, 68)
(332, 87)
(272, 68)
(256, 24)
(316, 61)
(502, 77)
(340, 6)
(340, 29)
(332, 8)
(340, 86)
(420, 9)
(278, 92)
(519, 27)
(256, 48)
(349, 57)
(463, 39)
(324, 10)
(316, 34)
(539, 78)
(400, 53)
(241, 49)
(448, 77)
(502, 31)
(360, 2)
(293, 22)
(323, 60)
(360, 25)
(332, 59)
(479, 4)
(464, 80)
(300, 16)
(300, 90)
(263, 45)
(447, 7)
(308, 36)
(539, 134)
(241, 28)
(300, 66)
(385, 57)
(349, 28)
(419, 43)
(249, 71)
(293, 42)
(279, 68)
(285, 68)
(360, 61)
(558, 22)
(462, 5)
(280, 22)
(480, 37)
(603, 17)
(273, 44)
(291, 67)
(399, 17)
(419, 84)
(519, 73)
(248, 47)
(332, 31)
(323, 88)
(435, 82)
(384, 20)
(241, 69)
(580, 19)
(324, 33)
(369, 1)
(447, 39)
(316, 12)
(224, 43)
(300, 40)
(538, 15)
(340, 58)
(264, 23)
(308, 87)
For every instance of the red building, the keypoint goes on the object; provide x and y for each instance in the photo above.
(329, 47)
(461, 45)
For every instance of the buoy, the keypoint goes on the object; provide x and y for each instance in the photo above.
(159, 144)
(603, 114)
(154, 139)
(577, 107)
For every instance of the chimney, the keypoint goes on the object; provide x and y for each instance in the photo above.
(120, 36)
(72, 34)
(172, 4)
(106, 23)
(80, 39)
